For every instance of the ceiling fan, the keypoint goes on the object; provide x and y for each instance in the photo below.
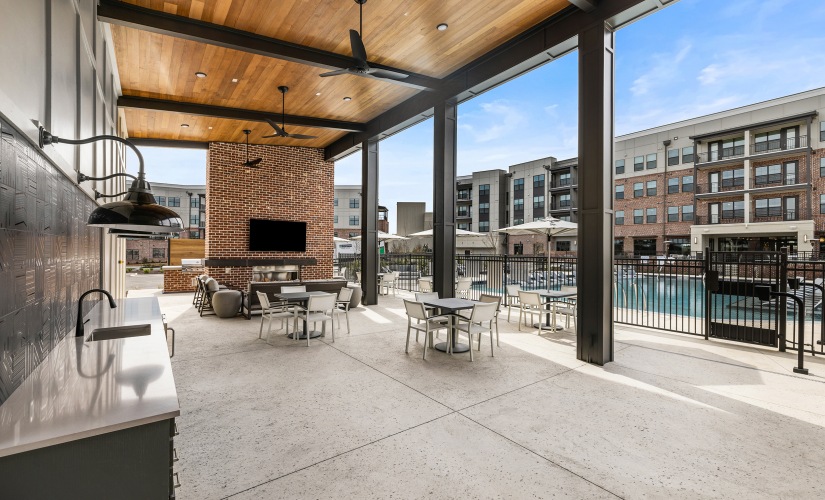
(279, 130)
(249, 163)
(359, 54)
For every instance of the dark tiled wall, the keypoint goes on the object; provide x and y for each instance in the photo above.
(48, 257)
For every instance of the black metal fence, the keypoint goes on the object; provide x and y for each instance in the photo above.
(662, 293)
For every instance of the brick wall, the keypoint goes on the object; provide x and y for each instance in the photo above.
(177, 280)
(291, 183)
(145, 250)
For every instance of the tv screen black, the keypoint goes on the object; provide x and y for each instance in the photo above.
(277, 236)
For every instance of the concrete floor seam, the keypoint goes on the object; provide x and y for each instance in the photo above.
(520, 388)
(541, 456)
(339, 455)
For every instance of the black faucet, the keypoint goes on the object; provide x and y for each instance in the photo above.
(78, 330)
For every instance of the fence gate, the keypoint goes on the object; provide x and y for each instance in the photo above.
(732, 310)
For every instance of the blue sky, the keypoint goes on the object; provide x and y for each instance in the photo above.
(693, 58)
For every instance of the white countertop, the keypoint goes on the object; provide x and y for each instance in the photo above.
(84, 389)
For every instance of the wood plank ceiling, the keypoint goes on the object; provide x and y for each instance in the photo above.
(397, 33)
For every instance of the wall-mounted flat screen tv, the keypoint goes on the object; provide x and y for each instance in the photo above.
(277, 236)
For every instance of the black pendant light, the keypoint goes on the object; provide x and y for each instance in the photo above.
(141, 235)
(138, 211)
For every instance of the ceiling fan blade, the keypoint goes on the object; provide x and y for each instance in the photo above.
(336, 72)
(253, 163)
(278, 130)
(300, 136)
(385, 73)
(270, 136)
(359, 52)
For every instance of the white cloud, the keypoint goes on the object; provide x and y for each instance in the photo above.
(664, 70)
(496, 120)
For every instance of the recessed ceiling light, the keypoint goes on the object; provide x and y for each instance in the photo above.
(347, 98)
(200, 74)
(210, 128)
(184, 125)
(442, 27)
(234, 80)
(317, 93)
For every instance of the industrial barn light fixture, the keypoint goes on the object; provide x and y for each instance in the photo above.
(138, 210)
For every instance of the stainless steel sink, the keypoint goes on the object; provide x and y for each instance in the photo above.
(120, 332)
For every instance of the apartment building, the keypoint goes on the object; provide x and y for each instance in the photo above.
(347, 212)
(744, 179)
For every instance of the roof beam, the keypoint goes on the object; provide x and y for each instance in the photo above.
(134, 102)
(123, 14)
(516, 56)
(168, 143)
(585, 5)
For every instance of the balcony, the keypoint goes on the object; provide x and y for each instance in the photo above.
(771, 146)
(778, 215)
(733, 186)
(720, 219)
(770, 180)
(561, 183)
(723, 154)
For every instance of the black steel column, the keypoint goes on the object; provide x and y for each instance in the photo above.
(369, 221)
(595, 245)
(444, 178)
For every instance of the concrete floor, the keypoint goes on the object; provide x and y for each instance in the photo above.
(673, 417)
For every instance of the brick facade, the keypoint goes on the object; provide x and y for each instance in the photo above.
(291, 183)
(177, 280)
(145, 249)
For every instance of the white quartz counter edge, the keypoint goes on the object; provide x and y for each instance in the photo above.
(115, 385)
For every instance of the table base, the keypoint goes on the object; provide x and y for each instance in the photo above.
(458, 348)
(548, 327)
(312, 334)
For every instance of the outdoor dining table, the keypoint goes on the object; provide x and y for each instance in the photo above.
(550, 305)
(300, 298)
(451, 307)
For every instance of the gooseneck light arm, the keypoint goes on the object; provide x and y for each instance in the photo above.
(47, 138)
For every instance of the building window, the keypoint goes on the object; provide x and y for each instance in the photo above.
(562, 246)
(673, 185)
(687, 184)
(464, 226)
(638, 163)
(687, 154)
(673, 214)
(620, 192)
(193, 202)
(726, 149)
(518, 185)
(638, 216)
(769, 207)
(464, 211)
(673, 156)
(733, 210)
(335, 202)
(193, 220)
(518, 249)
(484, 226)
(464, 194)
(651, 215)
(644, 246)
(158, 253)
(538, 201)
(638, 189)
(732, 179)
(335, 219)
(618, 246)
(822, 203)
(516, 222)
(538, 182)
(822, 167)
(687, 213)
(564, 180)
(484, 189)
(619, 217)
(651, 161)
(354, 220)
(353, 235)
(822, 130)
(194, 235)
(483, 208)
(354, 203)
(651, 188)
(174, 201)
(161, 200)
(619, 166)
(133, 254)
(565, 218)
(518, 204)
(768, 174)
(564, 201)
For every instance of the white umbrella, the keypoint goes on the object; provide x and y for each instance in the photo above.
(547, 225)
(458, 232)
(382, 236)
(336, 239)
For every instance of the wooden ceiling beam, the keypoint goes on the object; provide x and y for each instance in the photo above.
(235, 113)
(123, 14)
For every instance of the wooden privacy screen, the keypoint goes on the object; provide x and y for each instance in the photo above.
(185, 249)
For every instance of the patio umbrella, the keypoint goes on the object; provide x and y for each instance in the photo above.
(336, 239)
(547, 225)
(458, 232)
(382, 236)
